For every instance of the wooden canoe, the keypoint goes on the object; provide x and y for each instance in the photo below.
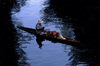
(55, 40)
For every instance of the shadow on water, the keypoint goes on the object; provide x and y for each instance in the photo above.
(78, 56)
(21, 59)
(8, 41)
(84, 18)
(83, 56)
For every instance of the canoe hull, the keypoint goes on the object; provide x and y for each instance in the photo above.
(55, 40)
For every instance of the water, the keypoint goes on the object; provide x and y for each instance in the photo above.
(51, 54)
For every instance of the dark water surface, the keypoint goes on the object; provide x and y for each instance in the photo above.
(51, 54)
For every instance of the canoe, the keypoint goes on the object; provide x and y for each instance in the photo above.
(68, 41)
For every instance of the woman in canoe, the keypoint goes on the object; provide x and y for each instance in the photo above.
(40, 30)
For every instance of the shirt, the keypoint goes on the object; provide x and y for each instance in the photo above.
(39, 26)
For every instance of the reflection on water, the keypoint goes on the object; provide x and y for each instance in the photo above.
(50, 54)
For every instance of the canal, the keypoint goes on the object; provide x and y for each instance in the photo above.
(50, 54)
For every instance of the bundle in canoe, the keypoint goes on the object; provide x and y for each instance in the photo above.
(68, 41)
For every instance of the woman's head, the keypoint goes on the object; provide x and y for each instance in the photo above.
(39, 21)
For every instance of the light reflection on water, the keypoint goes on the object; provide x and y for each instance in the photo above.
(51, 54)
